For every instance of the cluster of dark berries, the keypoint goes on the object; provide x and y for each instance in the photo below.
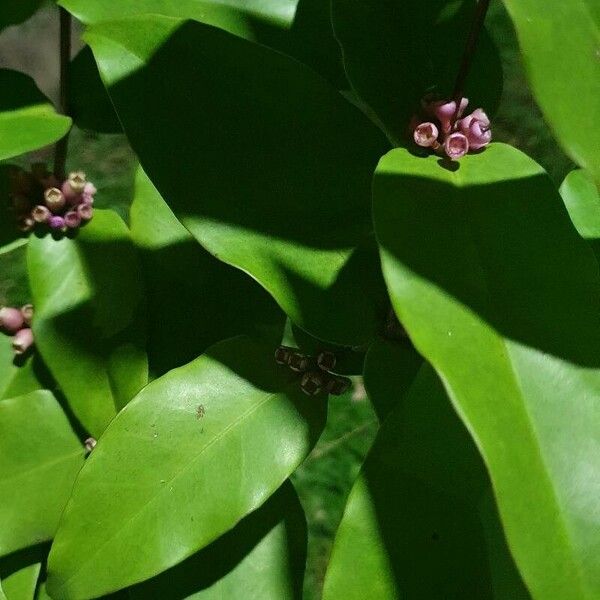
(442, 128)
(17, 322)
(40, 199)
(316, 372)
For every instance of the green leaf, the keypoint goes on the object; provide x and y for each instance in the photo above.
(21, 584)
(196, 451)
(582, 199)
(293, 211)
(39, 458)
(396, 52)
(262, 557)
(2, 595)
(87, 292)
(89, 104)
(27, 119)
(194, 300)
(560, 42)
(19, 375)
(13, 12)
(419, 522)
(498, 291)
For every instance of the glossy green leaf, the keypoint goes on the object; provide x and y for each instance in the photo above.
(262, 558)
(13, 12)
(88, 293)
(27, 119)
(498, 291)
(395, 52)
(582, 199)
(293, 210)
(19, 375)
(2, 595)
(39, 459)
(560, 43)
(21, 585)
(196, 451)
(418, 523)
(193, 299)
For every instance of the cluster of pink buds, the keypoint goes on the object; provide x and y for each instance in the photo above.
(447, 132)
(39, 198)
(17, 322)
(316, 372)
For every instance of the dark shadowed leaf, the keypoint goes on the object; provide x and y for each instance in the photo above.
(397, 51)
(40, 456)
(13, 12)
(88, 294)
(498, 291)
(293, 211)
(193, 299)
(420, 521)
(195, 452)
(27, 119)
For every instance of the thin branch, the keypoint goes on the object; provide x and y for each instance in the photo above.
(60, 151)
(469, 53)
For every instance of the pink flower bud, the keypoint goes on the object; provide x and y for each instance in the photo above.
(89, 189)
(426, 135)
(77, 181)
(476, 127)
(27, 312)
(456, 145)
(444, 112)
(11, 319)
(56, 222)
(72, 197)
(72, 219)
(26, 224)
(41, 214)
(22, 341)
(55, 199)
(85, 211)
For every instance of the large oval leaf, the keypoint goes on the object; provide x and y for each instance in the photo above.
(87, 292)
(196, 451)
(193, 299)
(39, 458)
(27, 119)
(560, 42)
(419, 522)
(498, 291)
(262, 558)
(397, 51)
(293, 210)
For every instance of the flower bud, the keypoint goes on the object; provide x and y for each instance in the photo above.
(72, 197)
(336, 386)
(22, 341)
(27, 312)
(444, 112)
(426, 135)
(56, 222)
(456, 146)
(11, 319)
(55, 199)
(282, 355)
(72, 219)
(77, 181)
(41, 214)
(312, 382)
(85, 211)
(90, 444)
(476, 127)
(26, 224)
(298, 362)
(326, 361)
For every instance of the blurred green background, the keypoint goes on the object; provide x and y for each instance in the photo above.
(324, 480)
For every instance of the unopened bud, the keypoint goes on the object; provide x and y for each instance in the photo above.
(85, 211)
(56, 222)
(336, 386)
(312, 382)
(11, 319)
(445, 111)
(27, 312)
(476, 127)
(426, 135)
(326, 360)
(90, 444)
(41, 214)
(298, 362)
(55, 199)
(70, 195)
(456, 146)
(26, 224)
(22, 341)
(282, 355)
(72, 219)
(77, 181)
